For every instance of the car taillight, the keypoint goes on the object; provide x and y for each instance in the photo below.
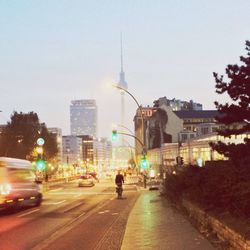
(5, 189)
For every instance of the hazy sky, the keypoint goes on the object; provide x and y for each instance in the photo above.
(54, 51)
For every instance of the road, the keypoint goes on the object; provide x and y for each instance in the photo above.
(70, 218)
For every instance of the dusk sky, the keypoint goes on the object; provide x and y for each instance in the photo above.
(54, 51)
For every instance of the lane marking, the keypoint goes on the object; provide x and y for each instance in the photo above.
(82, 193)
(103, 212)
(59, 202)
(53, 203)
(57, 189)
(30, 212)
(74, 207)
(114, 213)
(80, 215)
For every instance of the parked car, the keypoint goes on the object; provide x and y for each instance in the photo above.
(17, 184)
(86, 181)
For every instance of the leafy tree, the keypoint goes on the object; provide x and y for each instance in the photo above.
(18, 138)
(236, 115)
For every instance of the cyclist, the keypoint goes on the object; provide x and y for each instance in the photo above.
(119, 180)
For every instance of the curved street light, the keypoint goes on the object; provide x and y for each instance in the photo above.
(122, 126)
(141, 113)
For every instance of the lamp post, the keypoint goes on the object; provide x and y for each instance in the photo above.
(141, 114)
(122, 126)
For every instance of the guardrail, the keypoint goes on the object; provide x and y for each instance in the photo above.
(134, 179)
(46, 186)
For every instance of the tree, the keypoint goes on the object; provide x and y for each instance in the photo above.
(18, 138)
(236, 115)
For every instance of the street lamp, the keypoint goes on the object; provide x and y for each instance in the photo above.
(141, 114)
(122, 126)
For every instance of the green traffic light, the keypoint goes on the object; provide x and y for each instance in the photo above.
(144, 163)
(40, 164)
(114, 135)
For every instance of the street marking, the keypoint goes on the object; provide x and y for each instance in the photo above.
(77, 195)
(71, 208)
(53, 203)
(103, 212)
(30, 212)
(67, 227)
(48, 203)
(80, 215)
(82, 193)
(114, 213)
(59, 202)
(53, 190)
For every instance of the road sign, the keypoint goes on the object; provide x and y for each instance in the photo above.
(40, 141)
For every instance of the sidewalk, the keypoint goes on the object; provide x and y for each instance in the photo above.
(154, 224)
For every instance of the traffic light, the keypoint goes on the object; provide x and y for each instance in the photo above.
(114, 135)
(144, 163)
(40, 164)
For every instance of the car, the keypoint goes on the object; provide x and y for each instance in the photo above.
(94, 175)
(154, 184)
(18, 187)
(86, 181)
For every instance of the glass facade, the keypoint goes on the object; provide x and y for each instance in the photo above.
(83, 117)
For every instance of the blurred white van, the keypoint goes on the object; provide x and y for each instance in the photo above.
(17, 184)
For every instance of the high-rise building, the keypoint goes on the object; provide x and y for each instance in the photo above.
(83, 117)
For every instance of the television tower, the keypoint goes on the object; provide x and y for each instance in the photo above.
(123, 84)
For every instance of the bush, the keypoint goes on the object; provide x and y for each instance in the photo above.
(218, 188)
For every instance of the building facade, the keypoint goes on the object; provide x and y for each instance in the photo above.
(87, 150)
(83, 117)
(197, 122)
(58, 134)
(102, 152)
(72, 149)
(176, 104)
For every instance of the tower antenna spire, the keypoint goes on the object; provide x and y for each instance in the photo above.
(121, 52)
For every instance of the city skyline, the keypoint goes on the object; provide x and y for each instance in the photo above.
(55, 52)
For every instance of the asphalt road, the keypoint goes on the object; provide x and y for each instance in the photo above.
(70, 218)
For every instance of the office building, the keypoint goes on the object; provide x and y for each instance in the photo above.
(83, 117)
(72, 149)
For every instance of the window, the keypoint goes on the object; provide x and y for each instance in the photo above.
(184, 137)
(204, 130)
(214, 129)
(20, 175)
